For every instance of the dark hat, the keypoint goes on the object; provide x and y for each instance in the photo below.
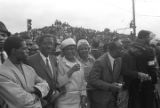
(4, 29)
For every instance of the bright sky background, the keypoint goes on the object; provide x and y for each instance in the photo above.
(95, 14)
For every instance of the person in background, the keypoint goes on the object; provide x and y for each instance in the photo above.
(139, 72)
(70, 76)
(87, 61)
(95, 51)
(4, 33)
(105, 78)
(20, 80)
(45, 65)
(29, 43)
(34, 49)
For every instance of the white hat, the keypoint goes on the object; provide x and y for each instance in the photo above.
(81, 42)
(67, 42)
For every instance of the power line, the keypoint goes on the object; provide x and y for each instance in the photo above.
(147, 15)
(129, 11)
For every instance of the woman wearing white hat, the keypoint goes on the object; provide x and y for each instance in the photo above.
(70, 76)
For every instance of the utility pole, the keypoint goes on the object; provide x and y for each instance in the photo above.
(134, 19)
(29, 27)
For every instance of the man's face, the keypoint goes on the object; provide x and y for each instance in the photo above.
(118, 50)
(22, 53)
(3, 37)
(152, 39)
(47, 46)
(29, 43)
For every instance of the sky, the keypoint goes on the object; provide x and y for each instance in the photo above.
(95, 14)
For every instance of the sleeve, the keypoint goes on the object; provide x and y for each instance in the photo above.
(63, 78)
(84, 83)
(128, 66)
(95, 77)
(5, 95)
(18, 93)
(41, 86)
(152, 70)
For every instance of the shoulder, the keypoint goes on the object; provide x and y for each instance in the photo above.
(28, 67)
(3, 68)
(32, 59)
(91, 58)
(33, 56)
(102, 58)
(101, 61)
(59, 59)
(5, 72)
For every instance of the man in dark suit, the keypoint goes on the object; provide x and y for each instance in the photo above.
(139, 70)
(45, 65)
(105, 78)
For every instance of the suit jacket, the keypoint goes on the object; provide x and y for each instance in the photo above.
(38, 64)
(19, 85)
(101, 78)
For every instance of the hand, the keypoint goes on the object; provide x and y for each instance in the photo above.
(84, 101)
(143, 76)
(54, 96)
(118, 85)
(115, 87)
(76, 67)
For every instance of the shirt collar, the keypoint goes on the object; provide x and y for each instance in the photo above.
(110, 57)
(43, 57)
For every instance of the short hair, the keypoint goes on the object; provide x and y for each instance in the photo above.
(42, 37)
(105, 47)
(4, 29)
(143, 34)
(114, 45)
(11, 43)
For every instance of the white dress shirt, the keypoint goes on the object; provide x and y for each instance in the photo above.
(44, 59)
(111, 60)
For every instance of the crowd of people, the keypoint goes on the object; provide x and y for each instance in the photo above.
(45, 73)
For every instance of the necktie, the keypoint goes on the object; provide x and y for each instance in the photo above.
(2, 57)
(114, 63)
(48, 66)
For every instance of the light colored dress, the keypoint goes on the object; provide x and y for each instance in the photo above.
(72, 85)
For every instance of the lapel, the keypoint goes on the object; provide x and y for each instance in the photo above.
(45, 72)
(108, 63)
(17, 73)
(43, 66)
(116, 69)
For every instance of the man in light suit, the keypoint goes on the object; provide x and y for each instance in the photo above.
(20, 80)
(105, 76)
(46, 69)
